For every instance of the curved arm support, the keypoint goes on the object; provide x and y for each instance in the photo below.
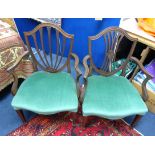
(10, 69)
(76, 66)
(148, 77)
(86, 58)
(78, 71)
(15, 84)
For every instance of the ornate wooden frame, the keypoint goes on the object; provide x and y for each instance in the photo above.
(113, 36)
(48, 66)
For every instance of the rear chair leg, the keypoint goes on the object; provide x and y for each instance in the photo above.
(21, 115)
(84, 122)
(74, 116)
(136, 119)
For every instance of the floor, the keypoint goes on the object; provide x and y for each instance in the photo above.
(9, 120)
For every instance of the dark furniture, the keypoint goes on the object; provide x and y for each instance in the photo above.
(105, 94)
(49, 90)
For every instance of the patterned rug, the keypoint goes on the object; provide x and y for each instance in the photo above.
(62, 125)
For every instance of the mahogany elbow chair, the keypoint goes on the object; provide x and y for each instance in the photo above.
(105, 94)
(49, 90)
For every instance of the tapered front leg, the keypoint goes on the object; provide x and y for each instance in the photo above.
(135, 120)
(21, 115)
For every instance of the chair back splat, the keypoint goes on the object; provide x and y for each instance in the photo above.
(51, 45)
(102, 61)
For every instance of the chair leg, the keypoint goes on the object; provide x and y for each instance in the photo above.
(21, 115)
(74, 116)
(84, 121)
(136, 119)
(79, 108)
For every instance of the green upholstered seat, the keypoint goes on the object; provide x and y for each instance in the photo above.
(47, 93)
(112, 98)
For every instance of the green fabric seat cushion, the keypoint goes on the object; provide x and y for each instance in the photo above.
(47, 93)
(112, 97)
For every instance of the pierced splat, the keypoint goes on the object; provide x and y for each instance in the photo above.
(112, 37)
(110, 55)
(51, 56)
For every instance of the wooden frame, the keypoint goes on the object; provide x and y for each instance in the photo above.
(48, 64)
(112, 37)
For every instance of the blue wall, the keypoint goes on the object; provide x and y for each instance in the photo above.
(80, 27)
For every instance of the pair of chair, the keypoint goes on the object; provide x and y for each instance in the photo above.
(52, 91)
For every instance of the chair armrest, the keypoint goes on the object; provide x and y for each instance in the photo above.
(79, 73)
(148, 77)
(141, 67)
(10, 69)
(86, 66)
(82, 94)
